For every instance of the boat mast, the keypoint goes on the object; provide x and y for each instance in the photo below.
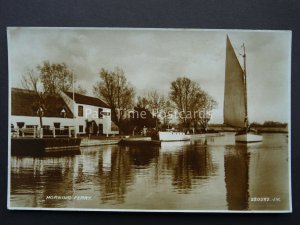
(245, 83)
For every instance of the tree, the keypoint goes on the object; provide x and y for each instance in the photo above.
(206, 105)
(55, 77)
(152, 100)
(157, 104)
(141, 117)
(31, 81)
(116, 91)
(80, 90)
(46, 80)
(193, 104)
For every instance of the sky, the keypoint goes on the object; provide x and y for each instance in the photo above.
(153, 58)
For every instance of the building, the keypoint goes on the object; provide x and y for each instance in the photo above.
(87, 114)
(92, 115)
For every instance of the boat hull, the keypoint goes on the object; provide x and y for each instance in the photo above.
(44, 146)
(173, 136)
(248, 138)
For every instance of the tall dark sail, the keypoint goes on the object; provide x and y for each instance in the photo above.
(234, 98)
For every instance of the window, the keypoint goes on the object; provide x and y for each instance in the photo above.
(100, 128)
(31, 126)
(100, 114)
(80, 110)
(80, 128)
(57, 125)
(46, 127)
(20, 124)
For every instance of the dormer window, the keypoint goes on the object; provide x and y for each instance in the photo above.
(63, 113)
(20, 124)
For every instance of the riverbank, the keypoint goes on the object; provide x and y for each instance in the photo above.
(86, 142)
(139, 141)
(101, 140)
(43, 146)
(260, 129)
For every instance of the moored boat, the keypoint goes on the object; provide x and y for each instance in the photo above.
(248, 137)
(235, 96)
(173, 136)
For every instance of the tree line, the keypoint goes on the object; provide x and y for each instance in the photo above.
(186, 97)
(186, 100)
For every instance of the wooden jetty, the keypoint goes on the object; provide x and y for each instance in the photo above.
(85, 142)
(44, 146)
(146, 141)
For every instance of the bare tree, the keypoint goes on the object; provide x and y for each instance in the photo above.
(142, 102)
(157, 104)
(80, 90)
(206, 105)
(116, 91)
(55, 77)
(46, 80)
(31, 81)
(191, 101)
(152, 100)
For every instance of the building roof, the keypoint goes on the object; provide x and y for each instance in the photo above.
(26, 103)
(87, 100)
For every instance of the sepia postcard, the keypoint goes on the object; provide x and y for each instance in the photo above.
(154, 120)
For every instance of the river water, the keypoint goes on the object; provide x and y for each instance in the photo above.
(203, 174)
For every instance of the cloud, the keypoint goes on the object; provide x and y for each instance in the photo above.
(151, 59)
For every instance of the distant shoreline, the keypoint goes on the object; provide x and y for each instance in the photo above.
(259, 128)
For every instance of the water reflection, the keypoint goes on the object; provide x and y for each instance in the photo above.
(34, 179)
(191, 164)
(115, 179)
(236, 163)
(201, 174)
(142, 157)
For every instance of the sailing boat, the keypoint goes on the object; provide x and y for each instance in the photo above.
(235, 98)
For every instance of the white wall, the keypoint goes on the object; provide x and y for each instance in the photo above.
(49, 121)
(35, 120)
(89, 113)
